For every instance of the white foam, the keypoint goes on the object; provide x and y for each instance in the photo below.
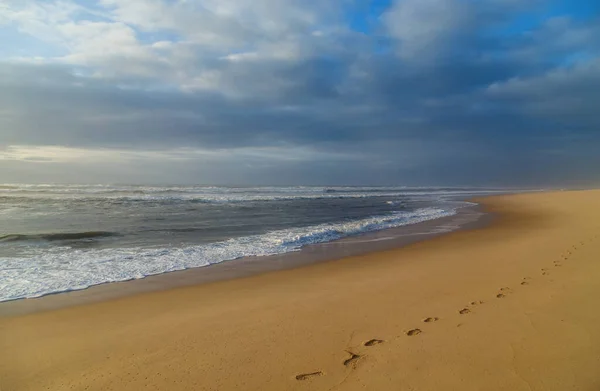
(221, 194)
(65, 269)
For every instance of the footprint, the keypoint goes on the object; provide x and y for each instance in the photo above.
(352, 360)
(545, 272)
(306, 376)
(503, 292)
(412, 332)
(429, 320)
(372, 342)
(524, 283)
(464, 311)
(477, 302)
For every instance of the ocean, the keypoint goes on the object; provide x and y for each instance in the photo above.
(57, 238)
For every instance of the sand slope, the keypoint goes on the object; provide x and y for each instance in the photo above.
(510, 307)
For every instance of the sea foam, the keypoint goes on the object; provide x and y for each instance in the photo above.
(63, 269)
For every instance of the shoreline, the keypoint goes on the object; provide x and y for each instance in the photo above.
(510, 306)
(467, 217)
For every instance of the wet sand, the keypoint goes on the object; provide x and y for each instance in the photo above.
(512, 306)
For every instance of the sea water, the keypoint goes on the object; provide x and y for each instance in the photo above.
(56, 238)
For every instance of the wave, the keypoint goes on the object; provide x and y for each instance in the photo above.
(167, 197)
(56, 236)
(59, 270)
(191, 198)
(212, 190)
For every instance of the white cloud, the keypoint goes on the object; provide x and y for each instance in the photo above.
(193, 45)
(423, 26)
(41, 20)
(111, 48)
(426, 30)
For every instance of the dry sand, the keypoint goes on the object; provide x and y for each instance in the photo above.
(510, 307)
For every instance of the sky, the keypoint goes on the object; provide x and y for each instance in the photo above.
(301, 92)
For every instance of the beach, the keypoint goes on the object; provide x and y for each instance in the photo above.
(509, 306)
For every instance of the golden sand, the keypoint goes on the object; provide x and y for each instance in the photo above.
(515, 306)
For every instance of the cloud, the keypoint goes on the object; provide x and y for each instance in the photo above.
(424, 27)
(428, 30)
(182, 44)
(566, 96)
(433, 91)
